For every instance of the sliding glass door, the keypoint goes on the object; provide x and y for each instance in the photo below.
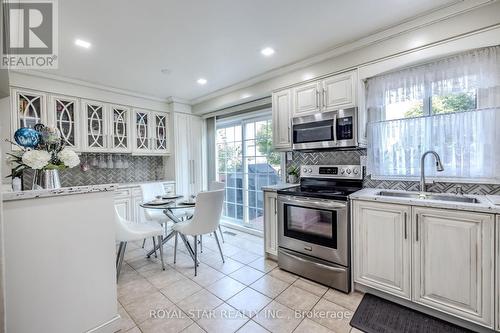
(245, 163)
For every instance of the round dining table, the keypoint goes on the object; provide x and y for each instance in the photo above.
(169, 210)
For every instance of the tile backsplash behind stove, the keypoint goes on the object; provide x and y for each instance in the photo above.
(141, 169)
(353, 157)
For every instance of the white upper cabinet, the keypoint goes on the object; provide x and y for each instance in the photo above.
(338, 92)
(64, 113)
(331, 93)
(151, 133)
(453, 262)
(29, 108)
(382, 247)
(95, 126)
(306, 99)
(120, 133)
(282, 103)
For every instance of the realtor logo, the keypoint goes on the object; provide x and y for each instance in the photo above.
(29, 37)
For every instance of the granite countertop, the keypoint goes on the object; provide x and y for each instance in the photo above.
(278, 187)
(485, 203)
(33, 194)
(136, 184)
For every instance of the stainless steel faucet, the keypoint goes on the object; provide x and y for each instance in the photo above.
(439, 167)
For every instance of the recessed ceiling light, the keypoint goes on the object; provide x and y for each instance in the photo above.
(82, 43)
(202, 81)
(268, 51)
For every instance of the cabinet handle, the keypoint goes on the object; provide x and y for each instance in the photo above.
(324, 98)
(406, 227)
(416, 228)
(275, 206)
(317, 98)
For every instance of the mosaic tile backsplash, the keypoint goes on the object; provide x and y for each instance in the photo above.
(353, 157)
(140, 169)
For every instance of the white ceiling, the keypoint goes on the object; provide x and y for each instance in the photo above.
(219, 40)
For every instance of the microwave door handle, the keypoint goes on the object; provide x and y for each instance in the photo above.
(335, 128)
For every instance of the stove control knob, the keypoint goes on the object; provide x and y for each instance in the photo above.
(355, 171)
(309, 170)
(304, 170)
(348, 171)
(342, 171)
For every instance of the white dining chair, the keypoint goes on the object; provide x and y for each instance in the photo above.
(150, 191)
(214, 186)
(127, 231)
(205, 220)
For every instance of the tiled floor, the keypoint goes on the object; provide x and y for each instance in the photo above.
(245, 294)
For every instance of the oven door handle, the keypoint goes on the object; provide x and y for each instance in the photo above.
(311, 203)
(335, 269)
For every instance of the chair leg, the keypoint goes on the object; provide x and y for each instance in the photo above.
(220, 249)
(160, 241)
(195, 255)
(175, 246)
(221, 234)
(143, 242)
(119, 258)
(154, 246)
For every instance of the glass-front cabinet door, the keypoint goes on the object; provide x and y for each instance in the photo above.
(120, 129)
(95, 126)
(161, 144)
(142, 131)
(29, 107)
(64, 114)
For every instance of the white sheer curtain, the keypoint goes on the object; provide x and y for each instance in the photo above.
(468, 141)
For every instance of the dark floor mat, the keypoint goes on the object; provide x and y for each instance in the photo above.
(377, 315)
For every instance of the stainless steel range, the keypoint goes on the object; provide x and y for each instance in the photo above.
(313, 224)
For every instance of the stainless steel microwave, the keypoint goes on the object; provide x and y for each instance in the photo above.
(332, 129)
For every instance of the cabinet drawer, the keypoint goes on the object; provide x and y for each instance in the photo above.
(121, 193)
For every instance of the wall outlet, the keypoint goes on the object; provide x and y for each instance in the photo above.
(362, 160)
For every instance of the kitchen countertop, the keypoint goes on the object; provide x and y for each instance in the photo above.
(484, 205)
(278, 187)
(33, 194)
(124, 185)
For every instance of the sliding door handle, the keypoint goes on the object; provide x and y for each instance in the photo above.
(406, 226)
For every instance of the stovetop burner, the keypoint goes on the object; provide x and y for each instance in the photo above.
(315, 184)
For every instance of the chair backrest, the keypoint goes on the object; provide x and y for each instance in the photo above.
(151, 190)
(207, 212)
(121, 231)
(214, 186)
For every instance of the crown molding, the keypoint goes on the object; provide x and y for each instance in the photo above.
(88, 84)
(417, 22)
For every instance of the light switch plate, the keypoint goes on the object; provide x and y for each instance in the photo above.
(289, 156)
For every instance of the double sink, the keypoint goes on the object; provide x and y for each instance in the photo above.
(429, 196)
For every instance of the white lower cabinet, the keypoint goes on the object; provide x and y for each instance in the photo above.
(382, 247)
(453, 259)
(439, 258)
(127, 201)
(271, 223)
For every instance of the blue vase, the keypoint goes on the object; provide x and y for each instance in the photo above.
(27, 137)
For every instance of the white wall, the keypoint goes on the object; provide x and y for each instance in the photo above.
(415, 35)
(4, 134)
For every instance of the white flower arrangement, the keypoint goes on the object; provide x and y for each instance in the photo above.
(68, 157)
(36, 159)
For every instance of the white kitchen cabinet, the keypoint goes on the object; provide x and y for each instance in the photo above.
(120, 129)
(306, 99)
(331, 93)
(28, 109)
(64, 113)
(339, 92)
(453, 262)
(124, 208)
(382, 247)
(95, 126)
(188, 136)
(271, 224)
(151, 133)
(282, 105)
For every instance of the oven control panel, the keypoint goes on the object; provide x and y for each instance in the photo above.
(332, 171)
